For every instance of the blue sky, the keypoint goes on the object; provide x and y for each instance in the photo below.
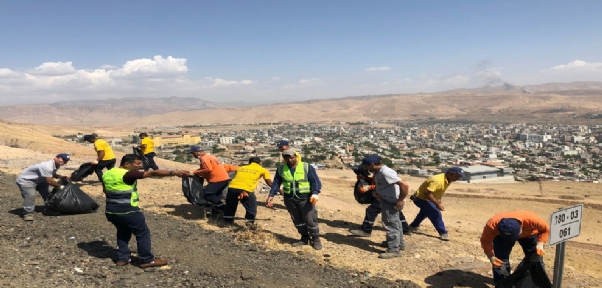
(288, 50)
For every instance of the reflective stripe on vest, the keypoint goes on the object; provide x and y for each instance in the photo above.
(117, 191)
(297, 183)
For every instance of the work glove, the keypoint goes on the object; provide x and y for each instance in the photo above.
(367, 188)
(539, 249)
(94, 162)
(61, 188)
(243, 195)
(313, 199)
(495, 261)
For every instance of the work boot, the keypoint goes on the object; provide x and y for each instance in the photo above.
(303, 241)
(444, 237)
(359, 233)
(389, 255)
(316, 243)
(157, 262)
(28, 217)
(415, 230)
(408, 232)
(385, 245)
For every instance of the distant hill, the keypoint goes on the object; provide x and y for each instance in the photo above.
(576, 102)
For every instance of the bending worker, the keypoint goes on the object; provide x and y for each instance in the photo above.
(214, 172)
(147, 146)
(105, 158)
(242, 187)
(428, 199)
(120, 187)
(504, 229)
(301, 187)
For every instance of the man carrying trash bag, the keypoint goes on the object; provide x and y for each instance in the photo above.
(120, 187)
(502, 232)
(39, 177)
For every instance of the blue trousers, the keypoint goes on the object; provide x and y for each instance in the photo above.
(128, 224)
(502, 250)
(250, 204)
(429, 210)
(151, 161)
(372, 212)
(213, 195)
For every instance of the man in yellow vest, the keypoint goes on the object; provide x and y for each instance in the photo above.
(300, 186)
(147, 146)
(120, 187)
(242, 187)
(105, 158)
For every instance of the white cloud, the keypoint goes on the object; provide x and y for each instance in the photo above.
(577, 70)
(304, 83)
(457, 80)
(578, 65)
(109, 67)
(382, 68)
(218, 82)
(491, 76)
(273, 79)
(53, 69)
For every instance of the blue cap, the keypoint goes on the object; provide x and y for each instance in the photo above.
(88, 137)
(195, 149)
(509, 229)
(456, 170)
(369, 160)
(282, 143)
(63, 156)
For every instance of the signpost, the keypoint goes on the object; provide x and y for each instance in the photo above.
(565, 224)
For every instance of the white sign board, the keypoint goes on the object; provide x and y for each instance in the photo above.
(565, 224)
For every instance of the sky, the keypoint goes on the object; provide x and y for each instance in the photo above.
(278, 51)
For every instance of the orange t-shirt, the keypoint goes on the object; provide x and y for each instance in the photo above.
(217, 172)
(230, 168)
(531, 224)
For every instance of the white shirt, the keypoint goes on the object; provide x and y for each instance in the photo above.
(385, 180)
(37, 173)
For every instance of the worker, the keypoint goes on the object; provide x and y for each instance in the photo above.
(504, 229)
(230, 167)
(391, 192)
(428, 199)
(212, 170)
(283, 146)
(105, 158)
(301, 187)
(147, 146)
(39, 177)
(241, 189)
(120, 188)
(373, 209)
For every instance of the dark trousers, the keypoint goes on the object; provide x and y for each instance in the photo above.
(213, 195)
(151, 161)
(502, 250)
(372, 212)
(429, 210)
(128, 224)
(250, 204)
(109, 164)
(304, 217)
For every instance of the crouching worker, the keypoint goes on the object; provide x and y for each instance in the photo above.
(503, 230)
(39, 177)
(241, 189)
(301, 187)
(120, 187)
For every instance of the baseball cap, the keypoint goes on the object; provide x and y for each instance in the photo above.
(282, 143)
(88, 137)
(369, 160)
(456, 170)
(195, 149)
(289, 153)
(63, 156)
(509, 229)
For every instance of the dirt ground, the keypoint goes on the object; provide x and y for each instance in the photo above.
(344, 261)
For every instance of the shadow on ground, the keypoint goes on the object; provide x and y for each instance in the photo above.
(458, 278)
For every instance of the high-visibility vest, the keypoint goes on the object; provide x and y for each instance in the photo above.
(121, 198)
(297, 183)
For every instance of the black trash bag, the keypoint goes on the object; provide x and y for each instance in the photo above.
(528, 274)
(71, 200)
(145, 163)
(82, 172)
(362, 198)
(363, 172)
(193, 189)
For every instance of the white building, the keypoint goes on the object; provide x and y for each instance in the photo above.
(226, 140)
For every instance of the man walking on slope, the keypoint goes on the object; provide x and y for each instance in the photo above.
(147, 146)
(301, 187)
(428, 199)
(242, 189)
(214, 172)
(105, 158)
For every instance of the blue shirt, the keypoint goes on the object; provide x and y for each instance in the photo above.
(314, 182)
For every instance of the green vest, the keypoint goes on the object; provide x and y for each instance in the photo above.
(297, 183)
(121, 198)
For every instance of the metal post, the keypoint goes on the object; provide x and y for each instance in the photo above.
(558, 265)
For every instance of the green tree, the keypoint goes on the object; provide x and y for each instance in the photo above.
(387, 162)
(177, 152)
(179, 158)
(267, 163)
